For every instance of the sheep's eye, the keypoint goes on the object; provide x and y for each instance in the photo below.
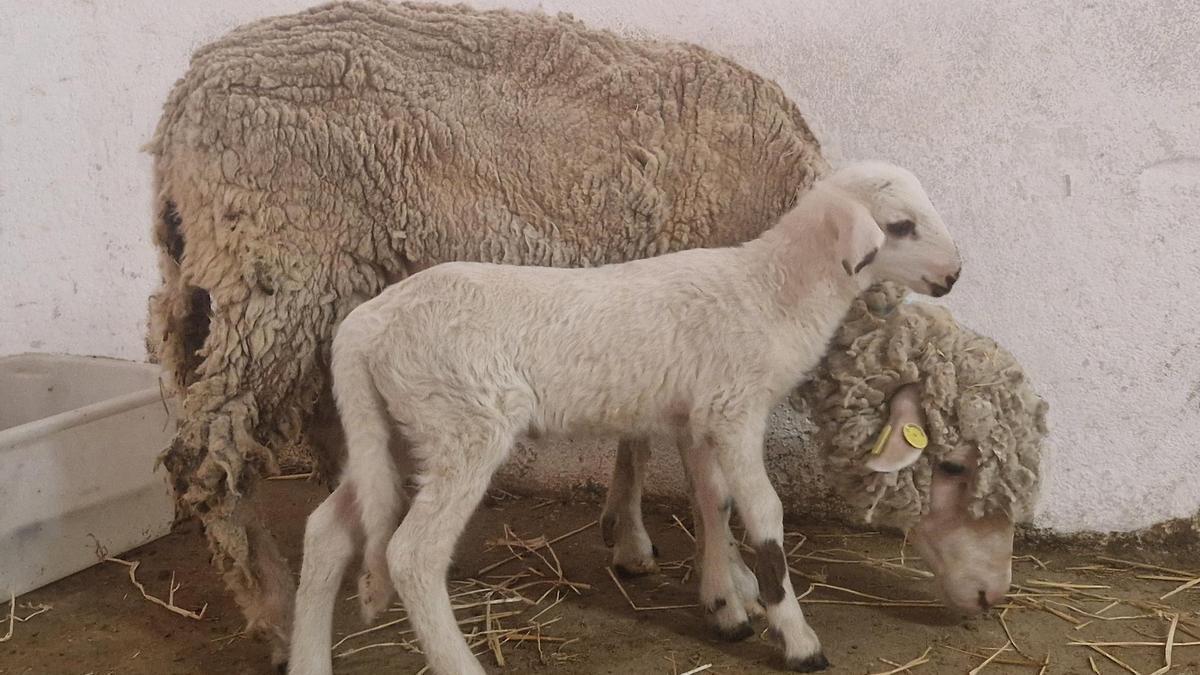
(951, 468)
(902, 228)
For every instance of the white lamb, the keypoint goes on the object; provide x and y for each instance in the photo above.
(465, 358)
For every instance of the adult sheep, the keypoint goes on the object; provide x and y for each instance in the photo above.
(306, 161)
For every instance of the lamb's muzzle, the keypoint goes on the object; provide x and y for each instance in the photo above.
(700, 345)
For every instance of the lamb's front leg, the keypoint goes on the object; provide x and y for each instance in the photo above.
(728, 600)
(739, 451)
(621, 523)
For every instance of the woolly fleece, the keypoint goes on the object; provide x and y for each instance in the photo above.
(974, 394)
(306, 161)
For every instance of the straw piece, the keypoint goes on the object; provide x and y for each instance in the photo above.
(980, 667)
(292, 476)
(1183, 587)
(1170, 645)
(169, 604)
(365, 631)
(1004, 625)
(1146, 566)
(517, 556)
(12, 613)
(634, 605)
(1071, 587)
(919, 661)
(14, 619)
(700, 669)
(1086, 643)
(680, 525)
(1114, 659)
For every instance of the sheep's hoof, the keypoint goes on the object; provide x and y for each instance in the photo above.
(638, 569)
(735, 633)
(810, 664)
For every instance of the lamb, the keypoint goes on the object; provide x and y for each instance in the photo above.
(306, 161)
(894, 364)
(465, 358)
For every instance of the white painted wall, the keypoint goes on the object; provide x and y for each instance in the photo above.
(1059, 139)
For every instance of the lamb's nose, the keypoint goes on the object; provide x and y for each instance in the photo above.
(951, 279)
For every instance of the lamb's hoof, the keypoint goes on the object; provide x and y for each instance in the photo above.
(654, 549)
(608, 525)
(281, 668)
(735, 633)
(808, 665)
(754, 609)
(637, 569)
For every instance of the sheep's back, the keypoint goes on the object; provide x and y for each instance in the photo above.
(405, 135)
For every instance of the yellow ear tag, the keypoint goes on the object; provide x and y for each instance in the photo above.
(884, 435)
(915, 436)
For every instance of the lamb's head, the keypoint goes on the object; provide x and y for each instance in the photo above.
(916, 249)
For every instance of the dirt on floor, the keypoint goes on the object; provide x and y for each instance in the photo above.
(557, 610)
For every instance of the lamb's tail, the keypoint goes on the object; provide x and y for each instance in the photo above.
(371, 468)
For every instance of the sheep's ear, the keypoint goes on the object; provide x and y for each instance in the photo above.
(859, 238)
(903, 437)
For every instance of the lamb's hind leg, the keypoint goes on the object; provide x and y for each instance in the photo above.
(331, 538)
(621, 523)
(453, 479)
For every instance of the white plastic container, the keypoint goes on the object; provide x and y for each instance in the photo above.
(78, 441)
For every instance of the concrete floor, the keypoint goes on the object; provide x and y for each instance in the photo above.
(99, 623)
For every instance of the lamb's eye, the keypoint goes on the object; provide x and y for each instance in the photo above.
(951, 468)
(902, 228)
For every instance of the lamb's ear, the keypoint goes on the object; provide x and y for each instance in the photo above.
(903, 438)
(859, 237)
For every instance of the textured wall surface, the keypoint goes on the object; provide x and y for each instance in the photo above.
(1059, 141)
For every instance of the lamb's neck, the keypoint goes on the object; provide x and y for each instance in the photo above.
(804, 275)
(810, 292)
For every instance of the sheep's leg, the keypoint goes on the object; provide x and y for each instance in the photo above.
(621, 523)
(719, 596)
(453, 481)
(331, 538)
(254, 570)
(740, 455)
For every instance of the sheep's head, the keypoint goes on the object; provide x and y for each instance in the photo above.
(966, 473)
(970, 555)
(913, 246)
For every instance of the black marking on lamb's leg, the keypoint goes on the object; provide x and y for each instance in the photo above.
(770, 568)
(727, 507)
